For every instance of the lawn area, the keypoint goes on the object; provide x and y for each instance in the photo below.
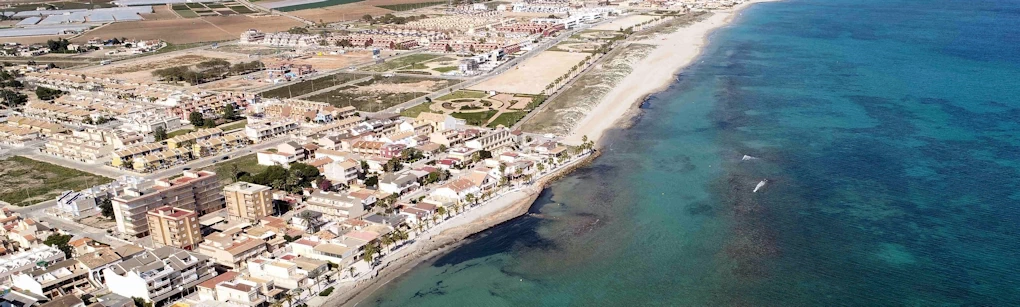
(24, 181)
(409, 6)
(242, 9)
(445, 69)
(507, 119)
(234, 125)
(415, 110)
(195, 5)
(247, 164)
(475, 119)
(401, 62)
(186, 13)
(308, 86)
(461, 94)
(179, 132)
(380, 93)
(316, 5)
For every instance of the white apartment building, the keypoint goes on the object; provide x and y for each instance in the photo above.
(264, 130)
(335, 206)
(345, 172)
(284, 274)
(159, 276)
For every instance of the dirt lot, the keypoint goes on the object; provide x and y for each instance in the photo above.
(326, 62)
(193, 30)
(140, 69)
(340, 12)
(160, 12)
(532, 76)
(28, 40)
(623, 23)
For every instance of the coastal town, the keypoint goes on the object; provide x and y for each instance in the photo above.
(304, 151)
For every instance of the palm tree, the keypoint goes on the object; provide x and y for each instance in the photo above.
(470, 198)
(297, 293)
(276, 304)
(289, 298)
(386, 240)
(434, 218)
(458, 206)
(350, 270)
(442, 211)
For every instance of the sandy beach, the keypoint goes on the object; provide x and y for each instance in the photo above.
(652, 74)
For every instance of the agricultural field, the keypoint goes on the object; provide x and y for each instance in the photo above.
(193, 30)
(308, 86)
(532, 76)
(479, 108)
(381, 93)
(575, 101)
(192, 10)
(24, 181)
(350, 11)
(410, 6)
(401, 62)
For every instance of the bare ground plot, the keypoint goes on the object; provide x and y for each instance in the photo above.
(140, 70)
(532, 76)
(160, 12)
(623, 23)
(574, 102)
(351, 11)
(25, 181)
(192, 30)
(381, 93)
(326, 62)
(28, 40)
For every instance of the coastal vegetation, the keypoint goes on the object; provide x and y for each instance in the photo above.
(24, 181)
(574, 102)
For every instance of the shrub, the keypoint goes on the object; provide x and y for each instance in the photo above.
(326, 292)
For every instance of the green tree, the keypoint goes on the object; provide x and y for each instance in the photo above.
(61, 242)
(106, 207)
(159, 134)
(45, 93)
(442, 211)
(195, 118)
(372, 181)
(228, 112)
(370, 251)
(13, 99)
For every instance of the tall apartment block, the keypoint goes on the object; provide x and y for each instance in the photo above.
(175, 227)
(199, 191)
(248, 200)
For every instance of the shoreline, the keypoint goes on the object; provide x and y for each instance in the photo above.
(452, 233)
(652, 74)
(661, 64)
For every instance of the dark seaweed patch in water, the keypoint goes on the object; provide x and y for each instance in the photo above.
(700, 208)
(678, 163)
(504, 238)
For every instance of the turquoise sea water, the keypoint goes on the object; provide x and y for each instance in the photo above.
(888, 132)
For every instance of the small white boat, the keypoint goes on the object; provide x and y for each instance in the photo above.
(746, 157)
(760, 185)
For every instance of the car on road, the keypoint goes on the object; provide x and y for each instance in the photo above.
(225, 158)
(187, 168)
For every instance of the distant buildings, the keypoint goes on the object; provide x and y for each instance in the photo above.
(282, 39)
